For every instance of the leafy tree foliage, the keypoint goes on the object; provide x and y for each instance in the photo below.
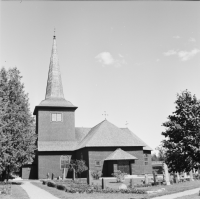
(161, 154)
(78, 166)
(154, 157)
(182, 134)
(17, 126)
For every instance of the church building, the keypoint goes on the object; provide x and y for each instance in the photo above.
(104, 147)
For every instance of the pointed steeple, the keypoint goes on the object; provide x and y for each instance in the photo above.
(54, 87)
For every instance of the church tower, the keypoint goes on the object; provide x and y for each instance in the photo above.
(55, 116)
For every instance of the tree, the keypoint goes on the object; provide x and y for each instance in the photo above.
(182, 134)
(77, 166)
(17, 126)
(161, 154)
(154, 157)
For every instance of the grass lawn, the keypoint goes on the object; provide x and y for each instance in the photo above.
(17, 192)
(168, 190)
(65, 195)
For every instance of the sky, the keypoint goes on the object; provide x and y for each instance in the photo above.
(127, 58)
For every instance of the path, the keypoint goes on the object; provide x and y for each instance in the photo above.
(179, 194)
(35, 192)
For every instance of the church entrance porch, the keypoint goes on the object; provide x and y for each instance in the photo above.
(119, 160)
(124, 166)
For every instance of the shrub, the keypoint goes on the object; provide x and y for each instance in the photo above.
(51, 184)
(61, 187)
(44, 182)
(96, 174)
(119, 175)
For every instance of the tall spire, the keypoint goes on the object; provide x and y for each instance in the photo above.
(54, 83)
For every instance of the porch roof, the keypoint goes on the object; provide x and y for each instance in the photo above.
(119, 154)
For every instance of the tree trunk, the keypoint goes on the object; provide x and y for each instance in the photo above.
(8, 173)
(3, 176)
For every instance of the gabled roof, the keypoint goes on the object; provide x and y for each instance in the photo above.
(81, 132)
(107, 134)
(146, 147)
(119, 154)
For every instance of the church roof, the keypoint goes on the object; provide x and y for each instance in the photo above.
(120, 154)
(137, 138)
(107, 134)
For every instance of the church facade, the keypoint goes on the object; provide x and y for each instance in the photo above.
(104, 147)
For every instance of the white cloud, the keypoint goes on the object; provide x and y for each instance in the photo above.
(183, 55)
(191, 39)
(176, 37)
(170, 52)
(105, 58)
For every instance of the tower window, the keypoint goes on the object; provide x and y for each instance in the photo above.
(56, 117)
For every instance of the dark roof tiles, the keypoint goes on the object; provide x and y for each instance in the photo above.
(107, 134)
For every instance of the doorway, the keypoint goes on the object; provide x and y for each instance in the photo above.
(124, 166)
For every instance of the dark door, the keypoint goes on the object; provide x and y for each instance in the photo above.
(123, 166)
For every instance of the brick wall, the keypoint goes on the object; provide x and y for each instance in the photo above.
(55, 131)
(49, 162)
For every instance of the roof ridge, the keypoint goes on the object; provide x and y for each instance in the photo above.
(90, 134)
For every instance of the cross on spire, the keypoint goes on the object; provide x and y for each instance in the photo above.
(105, 114)
(54, 36)
(126, 124)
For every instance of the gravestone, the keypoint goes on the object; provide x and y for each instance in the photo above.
(191, 176)
(47, 175)
(52, 176)
(146, 179)
(178, 177)
(131, 183)
(154, 177)
(185, 175)
(166, 174)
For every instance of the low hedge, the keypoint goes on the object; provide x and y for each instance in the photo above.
(84, 188)
(61, 187)
(44, 181)
(51, 184)
(97, 189)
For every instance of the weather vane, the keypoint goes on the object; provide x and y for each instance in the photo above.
(105, 114)
(126, 124)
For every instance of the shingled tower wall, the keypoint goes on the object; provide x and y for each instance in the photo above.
(55, 115)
